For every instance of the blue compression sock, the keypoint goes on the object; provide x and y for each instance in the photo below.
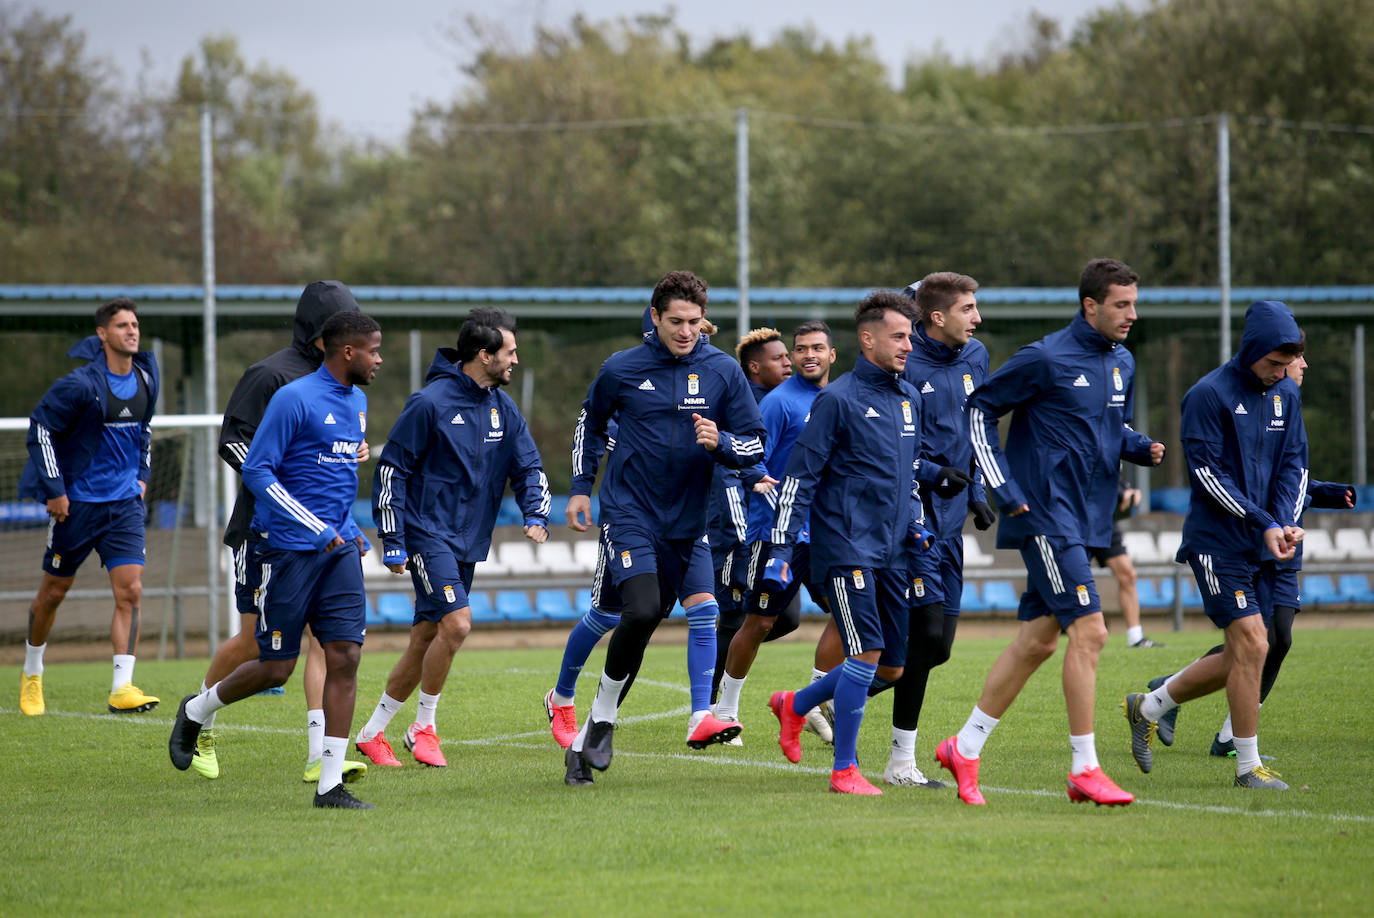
(851, 695)
(701, 651)
(823, 689)
(581, 641)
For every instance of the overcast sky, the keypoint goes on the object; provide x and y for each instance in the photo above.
(371, 62)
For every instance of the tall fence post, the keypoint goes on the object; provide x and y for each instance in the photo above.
(1224, 229)
(742, 215)
(1359, 414)
(207, 487)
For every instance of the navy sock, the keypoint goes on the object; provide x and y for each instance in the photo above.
(851, 695)
(585, 634)
(701, 651)
(823, 689)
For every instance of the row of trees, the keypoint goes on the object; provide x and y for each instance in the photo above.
(603, 153)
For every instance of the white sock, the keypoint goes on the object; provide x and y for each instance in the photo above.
(314, 734)
(818, 674)
(1134, 634)
(975, 733)
(201, 707)
(1225, 733)
(1247, 754)
(331, 763)
(209, 721)
(377, 723)
(1158, 703)
(581, 736)
(429, 706)
(727, 708)
(123, 671)
(33, 659)
(606, 704)
(903, 745)
(559, 699)
(1084, 752)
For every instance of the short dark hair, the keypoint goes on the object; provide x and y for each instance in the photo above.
(876, 305)
(679, 285)
(106, 313)
(811, 327)
(1099, 275)
(752, 344)
(938, 292)
(481, 331)
(344, 327)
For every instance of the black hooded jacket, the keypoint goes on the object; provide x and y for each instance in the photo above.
(319, 301)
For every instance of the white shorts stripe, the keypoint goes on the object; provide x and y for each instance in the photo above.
(418, 562)
(261, 599)
(845, 617)
(1051, 565)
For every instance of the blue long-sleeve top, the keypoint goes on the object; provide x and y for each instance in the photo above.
(1072, 394)
(1245, 445)
(785, 411)
(856, 469)
(445, 466)
(658, 476)
(302, 466)
(945, 377)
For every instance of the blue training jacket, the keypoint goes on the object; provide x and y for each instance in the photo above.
(1073, 397)
(302, 465)
(785, 412)
(856, 465)
(1246, 446)
(65, 429)
(657, 476)
(446, 463)
(945, 378)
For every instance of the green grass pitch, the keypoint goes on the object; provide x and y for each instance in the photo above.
(96, 820)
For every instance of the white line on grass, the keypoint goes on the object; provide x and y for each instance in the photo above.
(506, 741)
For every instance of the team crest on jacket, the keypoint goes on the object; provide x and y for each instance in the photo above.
(968, 384)
(1116, 379)
(362, 421)
(1278, 406)
(906, 411)
(693, 384)
(495, 419)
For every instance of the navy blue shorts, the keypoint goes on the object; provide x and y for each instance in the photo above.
(683, 566)
(248, 574)
(1059, 580)
(729, 593)
(871, 611)
(1229, 586)
(114, 529)
(759, 601)
(321, 589)
(1278, 586)
(442, 584)
(605, 597)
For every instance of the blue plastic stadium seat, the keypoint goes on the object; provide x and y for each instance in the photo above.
(15, 513)
(1354, 588)
(515, 606)
(482, 611)
(1155, 594)
(1318, 590)
(558, 508)
(509, 514)
(969, 600)
(1001, 596)
(370, 616)
(362, 513)
(396, 608)
(1192, 599)
(554, 606)
(1170, 500)
(809, 606)
(582, 601)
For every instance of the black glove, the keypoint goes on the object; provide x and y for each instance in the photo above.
(983, 515)
(1328, 495)
(951, 481)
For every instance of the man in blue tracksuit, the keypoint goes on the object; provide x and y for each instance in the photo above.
(1246, 447)
(89, 452)
(856, 465)
(681, 406)
(435, 497)
(1055, 484)
(785, 411)
(945, 365)
(302, 469)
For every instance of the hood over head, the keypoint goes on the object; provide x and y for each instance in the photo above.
(1269, 325)
(320, 300)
